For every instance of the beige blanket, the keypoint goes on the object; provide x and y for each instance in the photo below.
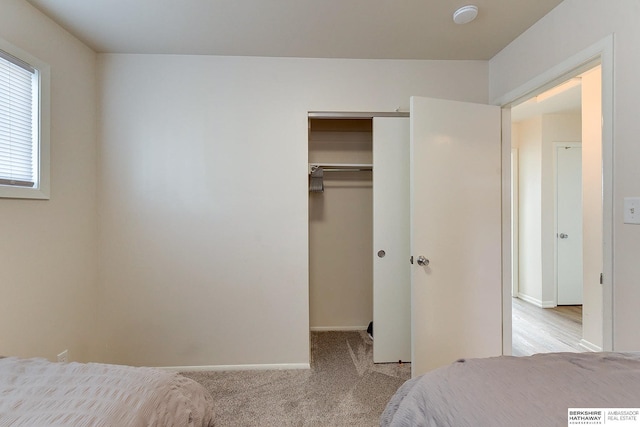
(516, 391)
(36, 392)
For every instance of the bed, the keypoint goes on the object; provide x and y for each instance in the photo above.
(516, 391)
(36, 392)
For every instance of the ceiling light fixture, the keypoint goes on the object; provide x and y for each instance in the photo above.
(465, 14)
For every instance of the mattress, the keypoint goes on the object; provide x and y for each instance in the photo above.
(516, 391)
(36, 392)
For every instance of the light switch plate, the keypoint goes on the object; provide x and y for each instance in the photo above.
(632, 210)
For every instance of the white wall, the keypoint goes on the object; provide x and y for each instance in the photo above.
(204, 198)
(203, 188)
(570, 28)
(535, 139)
(48, 255)
(528, 135)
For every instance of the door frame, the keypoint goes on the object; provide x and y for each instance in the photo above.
(515, 222)
(599, 53)
(557, 145)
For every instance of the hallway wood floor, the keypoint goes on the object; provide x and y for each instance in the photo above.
(545, 330)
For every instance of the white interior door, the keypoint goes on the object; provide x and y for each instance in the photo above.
(569, 224)
(391, 268)
(455, 190)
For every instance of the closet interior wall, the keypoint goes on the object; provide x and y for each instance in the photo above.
(341, 227)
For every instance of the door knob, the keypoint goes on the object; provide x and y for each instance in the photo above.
(423, 261)
(563, 236)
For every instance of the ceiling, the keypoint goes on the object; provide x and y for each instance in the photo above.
(360, 29)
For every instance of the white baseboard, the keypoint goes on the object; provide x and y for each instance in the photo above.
(221, 368)
(537, 302)
(589, 346)
(337, 328)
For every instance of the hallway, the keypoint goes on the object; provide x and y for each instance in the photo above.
(545, 330)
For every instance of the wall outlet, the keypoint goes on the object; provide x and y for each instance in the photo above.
(63, 357)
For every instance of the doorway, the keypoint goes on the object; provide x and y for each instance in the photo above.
(340, 226)
(349, 285)
(550, 275)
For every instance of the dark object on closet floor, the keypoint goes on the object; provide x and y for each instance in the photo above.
(370, 330)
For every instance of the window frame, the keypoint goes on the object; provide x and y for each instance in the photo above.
(42, 189)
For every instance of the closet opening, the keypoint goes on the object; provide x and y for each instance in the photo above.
(340, 223)
(359, 271)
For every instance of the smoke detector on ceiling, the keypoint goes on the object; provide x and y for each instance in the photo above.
(465, 14)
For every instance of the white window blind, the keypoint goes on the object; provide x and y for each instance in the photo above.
(18, 122)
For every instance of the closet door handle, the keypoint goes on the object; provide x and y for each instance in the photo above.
(423, 261)
(381, 253)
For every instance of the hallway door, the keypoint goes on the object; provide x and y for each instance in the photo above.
(569, 223)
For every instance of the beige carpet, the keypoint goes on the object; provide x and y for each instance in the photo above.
(342, 388)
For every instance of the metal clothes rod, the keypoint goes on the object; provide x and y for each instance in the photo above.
(341, 167)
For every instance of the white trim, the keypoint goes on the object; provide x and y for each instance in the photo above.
(337, 328)
(537, 302)
(570, 67)
(355, 114)
(607, 61)
(601, 52)
(589, 346)
(515, 218)
(224, 368)
(44, 86)
(507, 274)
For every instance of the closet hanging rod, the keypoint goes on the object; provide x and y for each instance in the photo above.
(341, 167)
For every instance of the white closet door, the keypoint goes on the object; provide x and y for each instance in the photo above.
(391, 268)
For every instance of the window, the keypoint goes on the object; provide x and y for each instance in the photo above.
(24, 118)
